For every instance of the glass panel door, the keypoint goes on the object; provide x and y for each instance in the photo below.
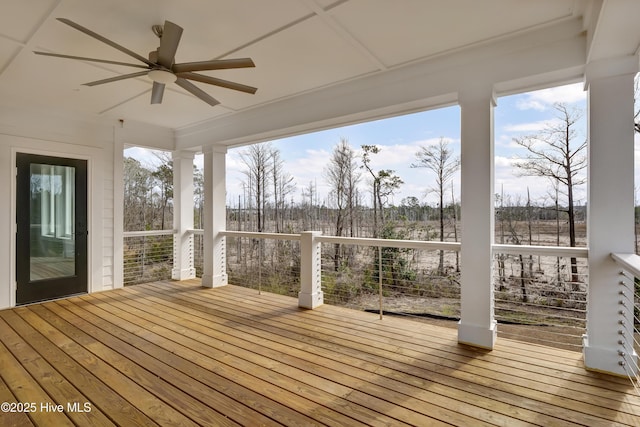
(51, 248)
(52, 218)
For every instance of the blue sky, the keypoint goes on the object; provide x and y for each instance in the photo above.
(401, 137)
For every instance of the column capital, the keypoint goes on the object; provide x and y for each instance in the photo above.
(220, 149)
(477, 93)
(183, 154)
(611, 67)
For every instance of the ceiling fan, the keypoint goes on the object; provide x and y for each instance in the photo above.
(161, 67)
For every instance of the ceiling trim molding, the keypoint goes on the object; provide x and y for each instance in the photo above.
(341, 32)
(28, 44)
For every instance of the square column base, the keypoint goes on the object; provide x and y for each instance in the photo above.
(607, 361)
(216, 281)
(311, 301)
(478, 336)
(183, 274)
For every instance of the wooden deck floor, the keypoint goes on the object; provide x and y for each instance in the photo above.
(177, 354)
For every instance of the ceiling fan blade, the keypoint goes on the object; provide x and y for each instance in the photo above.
(169, 41)
(106, 41)
(116, 78)
(218, 82)
(193, 89)
(216, 64)
(157, 92)
(82, 58)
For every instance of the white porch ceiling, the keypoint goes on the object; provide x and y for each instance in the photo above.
(302, 50)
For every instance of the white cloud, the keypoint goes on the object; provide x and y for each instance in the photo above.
(541, 100)
(146, 156)
(532, 126)
(309, 168)
(401, 156)
(501, 163)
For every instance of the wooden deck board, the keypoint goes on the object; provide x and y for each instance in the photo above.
(174, 353)
(8, 418)
(491, 389)
(323, 362)
(50, 379)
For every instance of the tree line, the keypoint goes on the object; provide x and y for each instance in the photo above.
(358, 201)
(358, 204)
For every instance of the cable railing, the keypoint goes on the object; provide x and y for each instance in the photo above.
(267, 262)
(629, 303)
(402, 277)
(540, 294)
(147, 255)
(198, 250)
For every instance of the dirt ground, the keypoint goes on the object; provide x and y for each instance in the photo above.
(414, 309)
(532, 334)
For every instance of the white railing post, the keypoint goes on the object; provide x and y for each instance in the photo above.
(611, 204)
(214, 271)
(310, 295)
(183, 267)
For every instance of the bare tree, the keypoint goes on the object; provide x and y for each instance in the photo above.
(511, 216)
(309, 201)
(440, 160)
(198, 196)
(554, 154)
(342, 176)
(367, 151)
(384, 183)
(163, 177)
(137, 187)
(258, 161)
(148, 192)
(283, 186)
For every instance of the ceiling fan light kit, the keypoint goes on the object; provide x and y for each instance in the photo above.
(161, 66)
(162, 76)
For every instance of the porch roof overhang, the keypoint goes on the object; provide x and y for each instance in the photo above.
(319, 63)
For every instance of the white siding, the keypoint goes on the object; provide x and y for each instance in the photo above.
(44, 133)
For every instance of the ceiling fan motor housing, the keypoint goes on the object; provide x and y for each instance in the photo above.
(161, 67)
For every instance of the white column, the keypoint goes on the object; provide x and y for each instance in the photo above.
(215, 217)
(477, 325)
(183, 267)
(610, 215)
(310, 295)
